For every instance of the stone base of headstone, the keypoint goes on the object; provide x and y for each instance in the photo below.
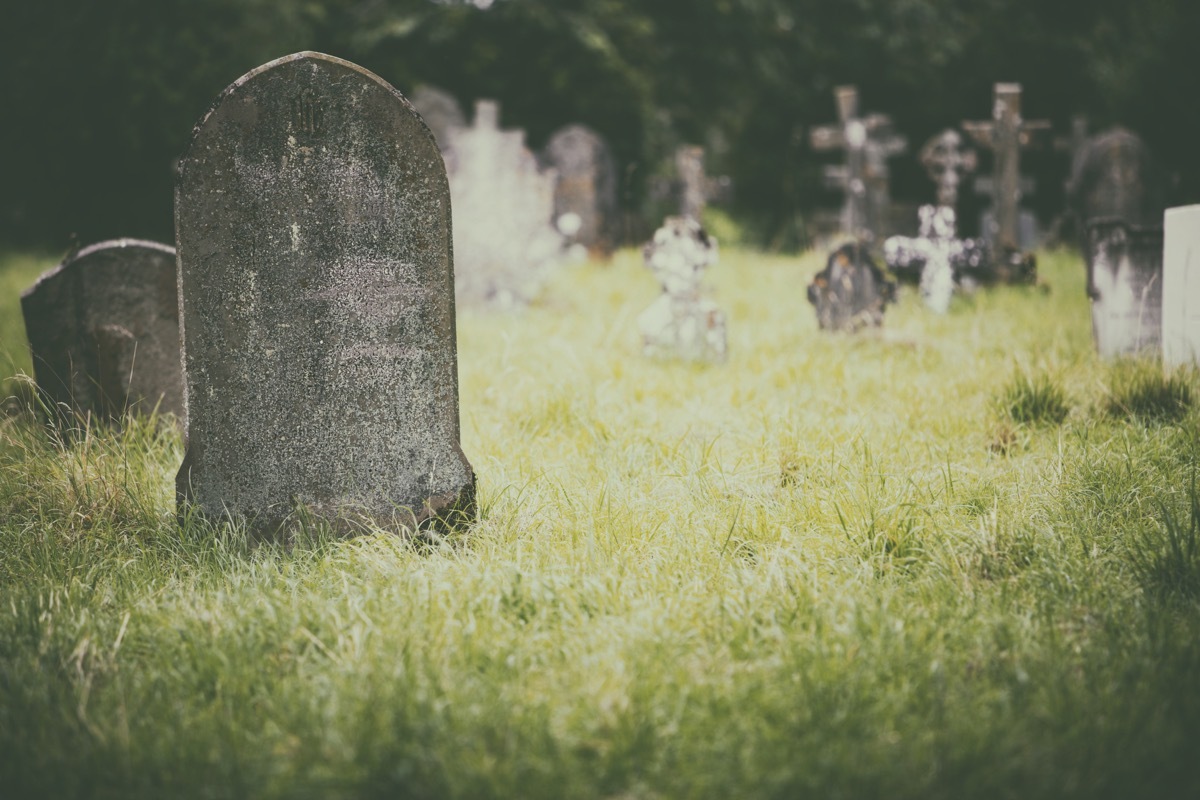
(685, 328)
(1125, 269)
(1181, 286)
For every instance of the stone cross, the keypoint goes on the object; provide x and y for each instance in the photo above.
(1181, 286)
(1125, 268)
(682, 323)
(1005, 135)
(316, 283)
(947, 162)
(103, 331)
(693, 185)
(869, 142)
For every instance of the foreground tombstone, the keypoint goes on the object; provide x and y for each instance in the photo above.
(1181, 286)
(851, 292)
(317, 291)
(585, 194)
(1125, 282)
(682, 323)
(103, 331)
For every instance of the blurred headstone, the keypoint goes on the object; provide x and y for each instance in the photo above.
(1005, 135)
(947, 162)
(864, 179)
(586, 187)
(505, 245)
(693, 185)
(1125, 268)
(103, 331)
(1113, 176)
(682, 323)
(441, 112)
(1181, 286)
(851, 292)
(316, 279)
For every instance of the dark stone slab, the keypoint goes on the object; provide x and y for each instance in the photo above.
(1114, 176)
(1125, 269)
(586, 186)
(103, 330)
(851, 292)
(312, 219)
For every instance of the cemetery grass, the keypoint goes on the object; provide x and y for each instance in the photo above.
(951, 559)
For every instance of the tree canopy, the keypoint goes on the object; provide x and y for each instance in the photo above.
(101, 97)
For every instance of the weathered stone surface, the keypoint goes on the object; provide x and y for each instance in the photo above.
(505, 246)
(317, 292)
(682, 323)
(1113, 176)
(946, 162)
(585, 194)
(103, 329)
(1181, 286)
(1125, 269)
(851, 292)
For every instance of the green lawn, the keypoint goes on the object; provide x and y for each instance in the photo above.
(958, 558)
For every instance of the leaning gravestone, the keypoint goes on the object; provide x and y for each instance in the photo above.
(103, 330)
(1125, 282)
(1181, 286)
(585, 194)
(317, 291)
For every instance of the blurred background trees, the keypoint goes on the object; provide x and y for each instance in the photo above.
(100, 98)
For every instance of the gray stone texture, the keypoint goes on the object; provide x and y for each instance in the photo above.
(586, 185)
(851, 292)
(1181, 286)
(1125, 269)
(317, 293)
(1113, 176)
(103, 331)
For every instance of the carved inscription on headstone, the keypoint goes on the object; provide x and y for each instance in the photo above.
(317, 293)
(103, 329)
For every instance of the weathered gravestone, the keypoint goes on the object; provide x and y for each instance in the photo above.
(1125, 282)
(1113, 176)
(693, 183)
(505, 246)
(585, 194)
(864, 179)
(1181, 286)
(316, 280)
(851, 292)
(682, 323)
(1007, 227)
(103, 330)
(947, 162)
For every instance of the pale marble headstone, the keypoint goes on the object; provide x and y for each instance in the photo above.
(103, 330)
(1125, 277)
(682, 323)
(585, 193)
(505, 245)
(316, 284)
(1181, 286)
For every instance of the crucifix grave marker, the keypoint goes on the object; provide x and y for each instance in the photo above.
(869, 142)
(946, 161)
(1005, 135)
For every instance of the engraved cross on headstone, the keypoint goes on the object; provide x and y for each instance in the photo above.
(946, 162)
(869, 142)
(1005, 135)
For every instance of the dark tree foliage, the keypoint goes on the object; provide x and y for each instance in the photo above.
(100, 97)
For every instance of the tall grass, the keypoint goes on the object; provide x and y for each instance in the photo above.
(805, 572)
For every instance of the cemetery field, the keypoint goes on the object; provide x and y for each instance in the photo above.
(956, 558)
